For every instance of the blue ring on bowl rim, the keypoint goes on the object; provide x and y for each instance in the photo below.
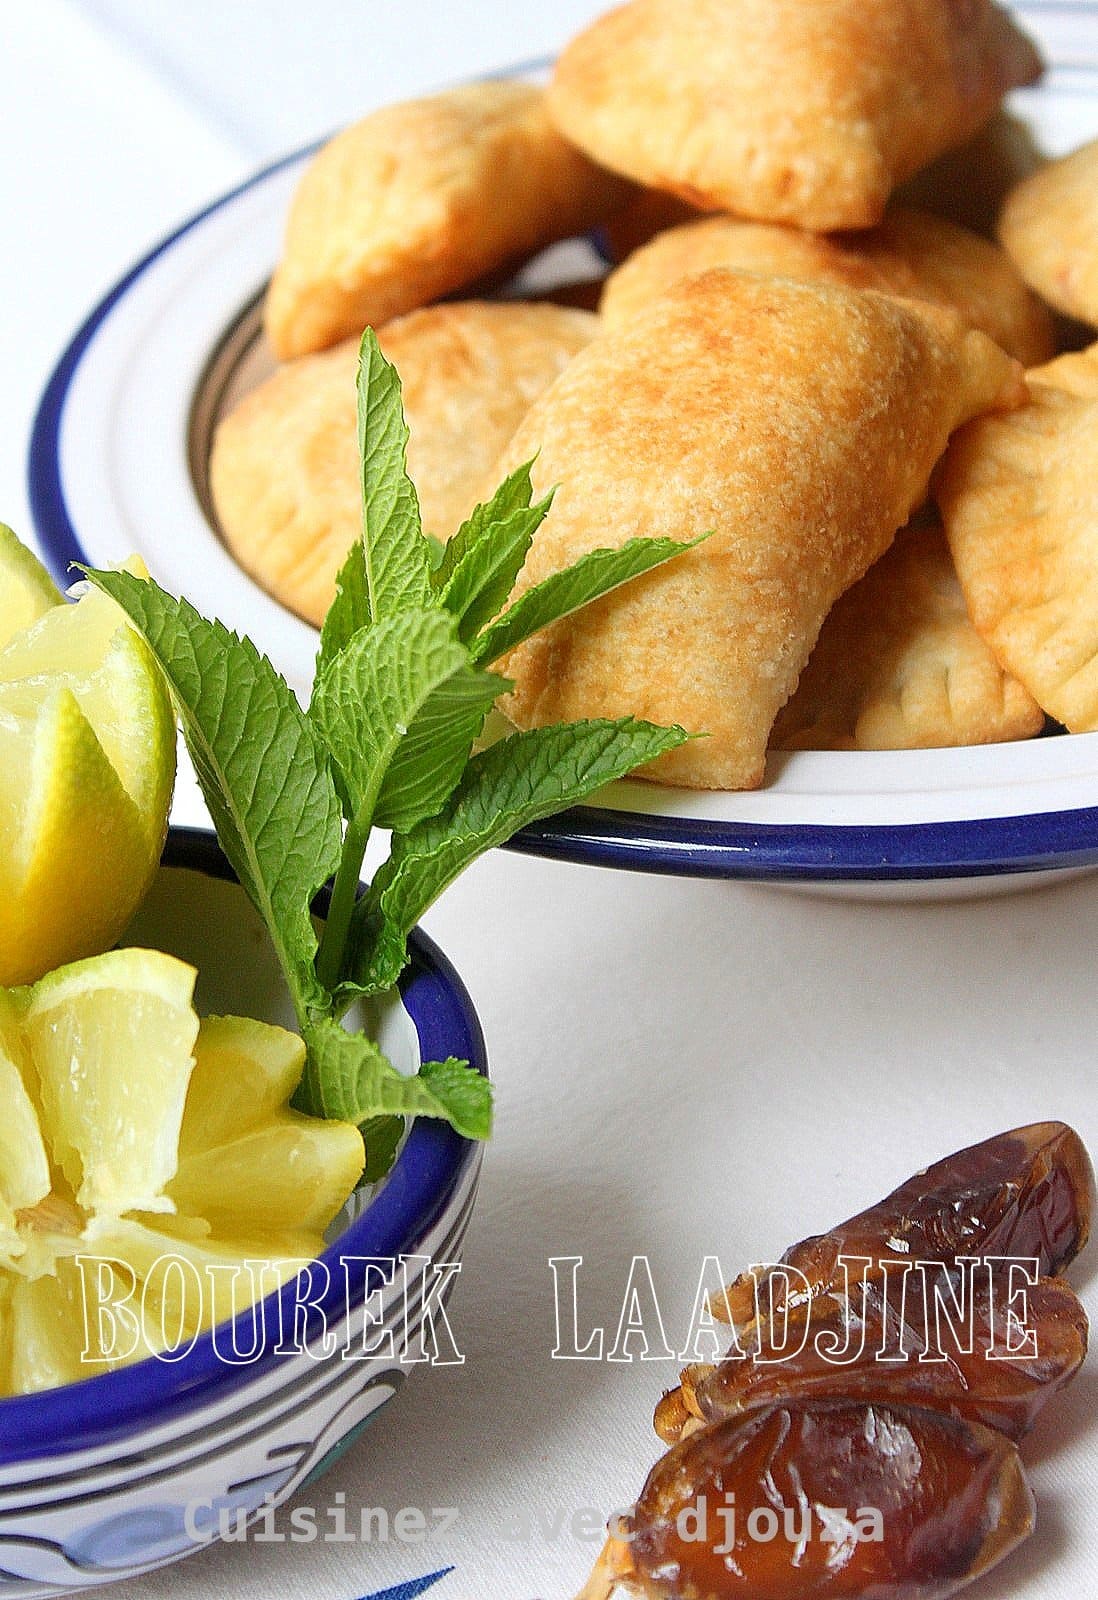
(803, 853)
(428, 1171)
(693, 847)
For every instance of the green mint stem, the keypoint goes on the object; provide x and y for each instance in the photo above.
(333, 941)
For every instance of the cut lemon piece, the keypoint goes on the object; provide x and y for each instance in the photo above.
(191, 1283)
(246, 1161)
(244, 1073)
(153, 1179)
(26, 589)
(87, 764)
(76, 858)
(294, 1173)
(24, 1165)
(91, 649)
(78, 1322)
(111, 1040)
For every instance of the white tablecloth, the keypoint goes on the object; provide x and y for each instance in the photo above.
(683, 1068)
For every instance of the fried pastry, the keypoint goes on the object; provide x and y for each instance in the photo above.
(1049, 224)
(781, 110)
(1019, 499)
(284, 470)
(911, 253)
(421, 199)
(968, 185)
(800, 423)
(899, 666)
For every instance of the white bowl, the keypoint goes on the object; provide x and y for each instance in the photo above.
(118, 464)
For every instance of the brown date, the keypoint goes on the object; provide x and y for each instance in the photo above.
(878, 1345)
(831, 1499)
(917, 1441)
(1026, 1194)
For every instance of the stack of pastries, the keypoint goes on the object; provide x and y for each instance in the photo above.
(843, 277)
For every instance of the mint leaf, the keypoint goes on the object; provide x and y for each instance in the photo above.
(434, 752)
(397, 556)
(348, 612)
(592, 575)
(484, 577)
(514, 494)
(399, 710)
(381, 1136)
(348, 1079)
(466, 1097)
(516, 782)
(263, 774)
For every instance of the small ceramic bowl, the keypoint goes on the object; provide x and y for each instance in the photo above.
(133, 1469)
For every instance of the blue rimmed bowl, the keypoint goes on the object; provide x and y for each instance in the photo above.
(131, 1470)
(119, 463)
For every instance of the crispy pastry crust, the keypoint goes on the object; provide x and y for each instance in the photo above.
(782, 110)
(1049, 224)
(800, 423)
(284, 469)
(1020, 504)
(421, 199)
(899, 666)
(911, 253)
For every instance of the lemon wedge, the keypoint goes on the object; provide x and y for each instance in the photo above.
(265, 1167)
(87, 765)
(26, 589)
(111, 1040)
(153, 1178)
(24, 1166)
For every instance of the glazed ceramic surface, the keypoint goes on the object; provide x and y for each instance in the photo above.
(131, 1470)
(119, 463)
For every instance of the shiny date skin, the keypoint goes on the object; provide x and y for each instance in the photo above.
(1027, 1194)
(929, 1365)
(784, 1496)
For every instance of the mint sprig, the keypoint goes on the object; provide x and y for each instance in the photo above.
(402, 691)
(264, 771)
(348, 1078)
(397, 555)
(592, 576)
(520, 780)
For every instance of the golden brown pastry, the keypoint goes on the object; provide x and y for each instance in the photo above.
(781, 110)
(899, 666)
(800, 422)
(911, 253)
(284, 471)
(1019, 498)
(968, 185)
(1049, 224)
(421, 199)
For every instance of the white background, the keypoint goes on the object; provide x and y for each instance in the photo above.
(682, 1068)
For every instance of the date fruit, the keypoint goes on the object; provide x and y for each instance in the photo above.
(859, 1437)
(1026, 1194)
(883, 1346)
(831, 1499)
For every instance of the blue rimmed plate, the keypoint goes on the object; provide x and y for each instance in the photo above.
(118, 464)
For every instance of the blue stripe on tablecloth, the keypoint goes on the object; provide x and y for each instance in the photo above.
(408, 1591)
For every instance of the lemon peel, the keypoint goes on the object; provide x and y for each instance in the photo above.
(26, 589)
(87, 767)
